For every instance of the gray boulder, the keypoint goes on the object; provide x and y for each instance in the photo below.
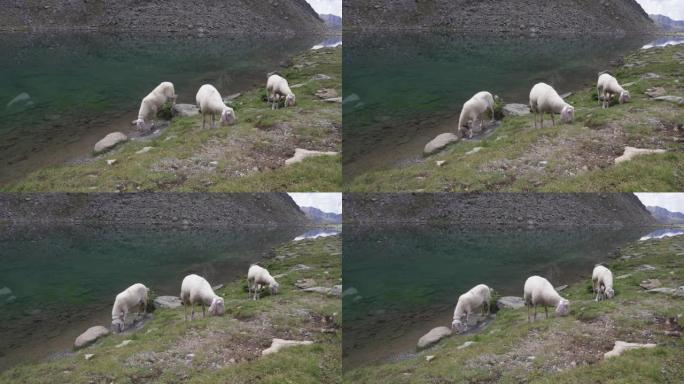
(433, 337)
(185, 110)
(439, 143)
(110, 141)
(167, 302)
(516, 109)
(671, 99)
(90, 336)
(510, 302)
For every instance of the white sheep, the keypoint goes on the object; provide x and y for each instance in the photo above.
(133, 298)
(538, 291)
(210, 102)
(607, 86)
(602, 280)
(545, 99)
(478, 297)
(277, 87)
(152, 102)
(473, 110)
(257, 277)
(195, 289)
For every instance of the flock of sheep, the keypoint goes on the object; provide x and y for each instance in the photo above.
(209, 101)
(537, 291)
(543, 99)
(194, 290)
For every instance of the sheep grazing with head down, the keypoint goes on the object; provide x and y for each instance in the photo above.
(277, 87)
(257, 277)
(195, 289)
(210, 102)
(478, 297)
(134, 298)
(538, 291)
(545, 99)
(473, 110)
(607, 86)
(602, 280)
(151, 104)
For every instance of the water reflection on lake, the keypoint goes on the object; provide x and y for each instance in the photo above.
(664, 41)
(318, 232)
(663, 233)
(330, 42)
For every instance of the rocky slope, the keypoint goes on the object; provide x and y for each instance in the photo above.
(500, 16)
(497, 209)
(319, 217)
(241, 209)
(665, 216)
(333, 22)
(204, 16)
(667, 24)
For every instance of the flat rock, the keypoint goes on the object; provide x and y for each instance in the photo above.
(429, 358)
(671, 99)
(300, 267)
(622, 346)
(655, 92)
(143, 150)
(278, 344)
(112, 161)
(645, 267)
(623, 276)
(465, 345)
(510, 302)
(305, 283)
(667, 291)
(90, 336)
(439, 143)
(322, 290)
(301, 154)
(110, 141)
(167, 302)
(631, 152)
(650, 75)
(473, 151)
(326, 93)
(89, 356)
(123, 343)
(440, 162)
(185, 110)
(650, 284)
(333, 100)
(433, 337)
(320, 76)
(566, 95)
(516, 109)
(561, 288)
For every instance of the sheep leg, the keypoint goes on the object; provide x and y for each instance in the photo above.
(528, 312)
(546, 309)
(204, 312)
(192, 313)
(204, 119)
(553, 119)
(185, 308)
(213, 121)
(535, 312)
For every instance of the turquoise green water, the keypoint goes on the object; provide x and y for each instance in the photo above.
(407, 88)
(64, 279)
(69, 90)
(400, 282)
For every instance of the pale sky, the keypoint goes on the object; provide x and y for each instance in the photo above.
(673, 202)
(326, 202)
(674, 9)
(333, 7)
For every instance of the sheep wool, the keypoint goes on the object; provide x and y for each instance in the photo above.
(602, 280)
(606, 87)
(477, 297)
(539, 291)
(151, 104)
(257, 277)
(277, 87)
(210, 102)
(472, 110)
(197, 290)
(134, 298)
(545, 99)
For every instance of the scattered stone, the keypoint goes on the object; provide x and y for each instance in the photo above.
(322, 290)
(217, 287)
(278, 344)
(673, 333)
(473, 151)
(631, 152)
(112, 161)
(655, 92)
(440, 162)
(110, 141)
(439, 143)
(305, 283)
(90, 336)
(621, 346)
(650, 284)
(566, 95)
(628, 84)
(515, 109)
(667, 291)
(650, 75)
(301, 154)
(561, 288)
(232, 97)
(214, 163)
(645, 267)
(300, 267)
(185, 110)
(623, 276)
(333, 100)
(433, 337)
(144, 150)
(89, 356)
(510, 302)
(465, 345)
(123, 343)
(167, 302)
(351, 291)
(429, 358)
(672, 99)
(320, 76)
(326, 93)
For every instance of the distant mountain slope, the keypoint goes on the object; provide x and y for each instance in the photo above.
(333, 22)
(500, 16)
(667, 24)
(497, 209)
(200, 16)
(665, 216)
(320, 217)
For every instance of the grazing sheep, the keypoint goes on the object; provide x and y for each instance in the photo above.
(602, 279)
(607, 86)
(152, 102)
(277, 87)
(538, 291)
(478, 297)
(210, 102)
(195, 289)
(133, 298)
(473, 110)
(545, 99)
(257, 277)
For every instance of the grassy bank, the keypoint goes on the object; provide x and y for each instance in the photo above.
(568, 349)
(568, 157)
(227, 348)
(248, 156)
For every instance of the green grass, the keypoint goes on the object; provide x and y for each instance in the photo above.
(567, 157)
(511, 350)
(250, 155)
(227, 348)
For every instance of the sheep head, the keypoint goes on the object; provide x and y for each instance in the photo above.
(624, 97)
(458, 326)
(290, 100)
(567, 114)
(274, 287)
(228, 116)
(117, 325)
(563, 307)
(609, 292)
(216, 308)
(140, 124)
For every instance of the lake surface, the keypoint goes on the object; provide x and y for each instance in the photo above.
(400, 282)
(63, 279)
(403, 89)
(61, 93)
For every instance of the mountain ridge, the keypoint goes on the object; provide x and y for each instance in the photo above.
(666, 216)
(318, 216)
(666, 23)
